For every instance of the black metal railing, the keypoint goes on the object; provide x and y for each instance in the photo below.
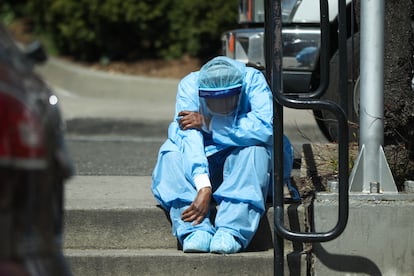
(308, 100)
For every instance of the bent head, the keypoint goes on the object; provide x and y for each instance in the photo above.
(220, 84)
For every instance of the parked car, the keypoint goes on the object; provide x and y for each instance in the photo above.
(34, 164)
(301, 35)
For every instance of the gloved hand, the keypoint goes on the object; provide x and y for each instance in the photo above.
(199, 208)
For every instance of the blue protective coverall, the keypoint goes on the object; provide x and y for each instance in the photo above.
(236, 155)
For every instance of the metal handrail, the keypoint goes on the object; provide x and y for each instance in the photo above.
(273, 48)
(323, 56)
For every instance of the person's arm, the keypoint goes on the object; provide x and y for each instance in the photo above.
(190, 139)
(186, 134)
(195, 166)
(256, 126)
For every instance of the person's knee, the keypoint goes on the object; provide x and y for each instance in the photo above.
(260, 154)
(251, 156)
(258, 150)
(171, 155)
(171, 160)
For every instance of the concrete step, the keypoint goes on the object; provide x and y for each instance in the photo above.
(119, 212)
(173, 262)
(114, 155)
(113, 226)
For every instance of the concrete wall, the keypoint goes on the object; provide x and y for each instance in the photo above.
(378, 239)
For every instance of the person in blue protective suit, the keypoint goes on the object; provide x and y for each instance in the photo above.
(219, 148)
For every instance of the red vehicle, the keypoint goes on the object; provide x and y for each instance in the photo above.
(34, 165)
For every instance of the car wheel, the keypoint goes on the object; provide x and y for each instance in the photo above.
(326, 120)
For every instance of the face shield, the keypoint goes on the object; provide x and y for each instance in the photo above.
(220, 83)
(221, 101)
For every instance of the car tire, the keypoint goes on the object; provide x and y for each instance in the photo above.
(326, 120)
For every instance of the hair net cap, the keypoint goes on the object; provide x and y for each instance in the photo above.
(221, 77)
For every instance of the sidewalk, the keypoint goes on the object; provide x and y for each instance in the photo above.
(86, 93)
(131, 192)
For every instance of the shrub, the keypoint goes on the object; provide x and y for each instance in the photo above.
(196, 26)
(129, 29)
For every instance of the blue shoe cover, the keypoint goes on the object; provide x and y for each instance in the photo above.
(198, 241)
(224, 243)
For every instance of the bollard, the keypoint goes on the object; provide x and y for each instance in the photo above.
(409, 186)
(333, 186)
(374, 187)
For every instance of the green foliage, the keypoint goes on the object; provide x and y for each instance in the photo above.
(130, 29)
(7, 14)
(10, 10)
(196, 26)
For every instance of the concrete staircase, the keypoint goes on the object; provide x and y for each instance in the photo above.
(113, 226)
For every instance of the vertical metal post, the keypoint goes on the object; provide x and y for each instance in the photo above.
(343, 60)
(372, 68)
(371, 165)
(274, 57)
